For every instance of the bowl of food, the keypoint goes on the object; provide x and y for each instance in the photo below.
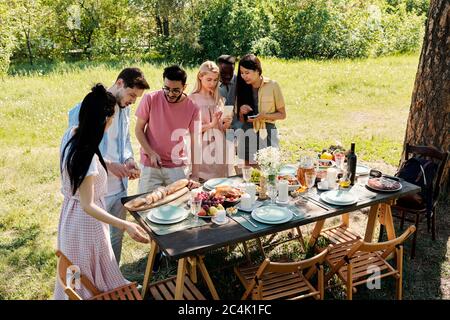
(230, 196)
(327, 163)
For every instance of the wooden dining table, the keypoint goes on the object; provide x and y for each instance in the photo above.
(189, 246)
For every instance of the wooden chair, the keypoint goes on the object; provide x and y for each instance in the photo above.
(415, 205)
(127, 292)
(161, 290)
(283, 280)
(359, 262)
(341, 233)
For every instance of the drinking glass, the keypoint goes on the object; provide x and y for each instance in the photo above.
(339, 158)
(272, 192)
(344, 182)
(310, 179)
(196, 205)
(246, 173)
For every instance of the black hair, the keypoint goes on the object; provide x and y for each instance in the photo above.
(96, 108)
(244, 92)
(133, 78)
(175, 73)
(227, 59)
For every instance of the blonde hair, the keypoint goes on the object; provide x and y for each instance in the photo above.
(205, 67)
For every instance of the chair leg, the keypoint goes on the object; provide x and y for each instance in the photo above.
(433, 225)
(402, 221)
(413, 246)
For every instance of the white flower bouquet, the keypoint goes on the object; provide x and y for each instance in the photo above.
(269, 160)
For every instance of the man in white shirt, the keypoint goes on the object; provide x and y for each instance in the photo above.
(116, 146)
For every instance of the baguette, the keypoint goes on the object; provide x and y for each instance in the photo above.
(135, 203)
(168, 199)
(177, 185)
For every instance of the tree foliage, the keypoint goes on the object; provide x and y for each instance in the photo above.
(190, 31)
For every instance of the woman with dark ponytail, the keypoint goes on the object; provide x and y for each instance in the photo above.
(83, 231)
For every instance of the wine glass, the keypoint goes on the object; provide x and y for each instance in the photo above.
(272, 192)
(195, 204)
(310, 179)
(246, 173)
(344, 182)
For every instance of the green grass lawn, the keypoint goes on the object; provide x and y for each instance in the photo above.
(366, 101)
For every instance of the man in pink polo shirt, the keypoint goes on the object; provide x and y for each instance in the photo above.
(164, 119)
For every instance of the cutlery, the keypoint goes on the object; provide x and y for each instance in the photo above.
(316, 203)
(251, 222)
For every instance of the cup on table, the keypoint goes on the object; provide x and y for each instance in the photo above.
(195, 204)
(331, 177)
(246, 201)
(250, 188)
(339, 158)
(220, 216)
(283, 190)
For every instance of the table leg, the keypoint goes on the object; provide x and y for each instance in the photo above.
(388, 221)
(149, 268)
(373, 213)
(181, 274)
(207, 278)
(316, 232)
(193, 269)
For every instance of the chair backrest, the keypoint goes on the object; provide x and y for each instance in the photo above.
(429, 152)
(311, 265)
(387, 247)
(62, 266)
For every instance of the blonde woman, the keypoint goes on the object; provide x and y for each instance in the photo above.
(206, 96)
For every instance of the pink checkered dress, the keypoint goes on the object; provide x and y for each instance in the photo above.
(86, 240)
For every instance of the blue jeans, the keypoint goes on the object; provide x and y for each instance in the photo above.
(114, 206)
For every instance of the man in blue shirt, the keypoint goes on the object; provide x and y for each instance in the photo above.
(116, 146)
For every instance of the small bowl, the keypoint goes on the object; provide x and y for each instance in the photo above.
(226, 204)
(326, 163)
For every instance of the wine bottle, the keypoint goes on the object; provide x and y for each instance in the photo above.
(351, 164)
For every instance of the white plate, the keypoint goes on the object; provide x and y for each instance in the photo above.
(225, 221)
(157, 221)
(168, 212)
(255, 205)
(362, 170)
(213, 183)
(204, 217)
(272, 214)
(288, 217)
(345, 198)
(288, 170)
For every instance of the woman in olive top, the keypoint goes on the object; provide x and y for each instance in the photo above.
(259, 104)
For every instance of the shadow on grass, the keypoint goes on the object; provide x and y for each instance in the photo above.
(23, 238)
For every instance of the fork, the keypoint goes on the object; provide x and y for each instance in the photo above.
(251, 222)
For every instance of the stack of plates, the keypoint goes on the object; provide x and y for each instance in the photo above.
(339, 197)
(167, 214)
(213, 183)
(288, 170)
(272, 214)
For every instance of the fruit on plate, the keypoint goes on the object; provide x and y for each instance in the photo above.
(212, 211)
(326, 155)
(210, 199)
(202, 212)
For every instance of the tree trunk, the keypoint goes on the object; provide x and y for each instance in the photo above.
(30, 54)
(428, 121)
